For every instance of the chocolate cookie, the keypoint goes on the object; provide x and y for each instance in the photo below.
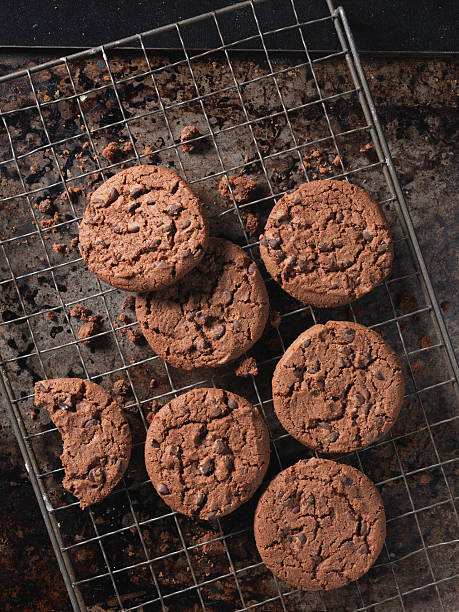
(320, 525)
(338, 387)
(212, 316)
(143, 229)
(207, 452)
(327, 243)
(95, 435)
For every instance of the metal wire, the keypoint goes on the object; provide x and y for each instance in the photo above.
(39, 474)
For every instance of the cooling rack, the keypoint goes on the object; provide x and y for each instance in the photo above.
(281, 120)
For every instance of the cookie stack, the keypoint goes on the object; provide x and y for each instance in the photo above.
(202, 302)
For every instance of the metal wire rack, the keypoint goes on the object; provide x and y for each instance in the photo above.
(283, 121)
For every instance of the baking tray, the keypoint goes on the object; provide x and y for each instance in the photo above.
(281, 120)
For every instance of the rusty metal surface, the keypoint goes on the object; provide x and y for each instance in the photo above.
(414, 470)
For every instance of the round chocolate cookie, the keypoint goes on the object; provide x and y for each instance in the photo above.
(207, 452)
(143, 229)
(95, 435)
(320, 525)
(212, 316)
(338, 387)
(327, 243)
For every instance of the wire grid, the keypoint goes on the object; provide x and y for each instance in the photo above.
(236, 572)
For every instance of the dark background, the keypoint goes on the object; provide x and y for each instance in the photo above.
(411, 26)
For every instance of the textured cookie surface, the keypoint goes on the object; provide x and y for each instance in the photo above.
(213, 315)
(327, 243)
(338, 387)
(207, 452)
(143, 229)
(320, 525)
(95, 435)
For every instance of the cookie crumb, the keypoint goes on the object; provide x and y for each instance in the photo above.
(188, 133)
(129, 302)
(74, 242)
(111, 152)
(89, 329)
(153, 383)
(59, 247)
(80, 312)
(121, 388)
(426, 341)
(51, 316)
(275, 319)
(243, 188)
(251, 224)
(135, 336)
(247, 367)
(46, 207)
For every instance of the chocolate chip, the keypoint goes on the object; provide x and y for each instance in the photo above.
(314, 366)
(227, 298)
(185, 254)
(333, 286)
(300, 537)
(220, 447)
(160, 265)
(332, 436)
(90, 423)
(379, 374)
(42, 387)
(263, 241)
(155, 444)
(309, 499)
(99, 202)
(212, 514)
(64, 406)
(359, 398)
(274, 243)
(252, 268)
(92, 474)
(168, 228)
(155, 243)
(237, 325)
(323, 247)
(306, 342)
(133, 228)
(173, 450)
(197, 253)
(364, 529)
(215, 412)
(349, 334)
(186, 223)
(339, 216)
(149, 200)
(337, 242)
(347, 482)
(367, 236)
(111, 196)
(363, 549)
(295, 199)
(232, 403)
(135, 191)
(329, 265)
(163, 489)
(173, 188)
(117, 230)
(382, 248)
(218, 331)
(206, 468)
(132, 206)
(174, 209)
(200, 499)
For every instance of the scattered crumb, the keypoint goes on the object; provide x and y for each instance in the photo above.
(337, 161)
(243, 188)
(50, 222)
(275, 318)
(148, 151)
(80, 312)
(127, 147)
(51, 316)
(89, 329)
(123, 318)
(135, 336)
(129, 302)
(251, 224)
(74, 192)
(121, 388)
(445, 306)
(111, 152)
(189, 132)
(407, 302)
(366, 147)
(46, 207)
(247, 367)
(59, 247)
(151, 410)
(426, 341)
(153, 383)
(74, 242)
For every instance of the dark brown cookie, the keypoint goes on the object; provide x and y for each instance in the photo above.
(212, 316)
(320, 525)
(327, 243)
(143, 229)
(95, 435)
(207, 452)
(338, 387)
